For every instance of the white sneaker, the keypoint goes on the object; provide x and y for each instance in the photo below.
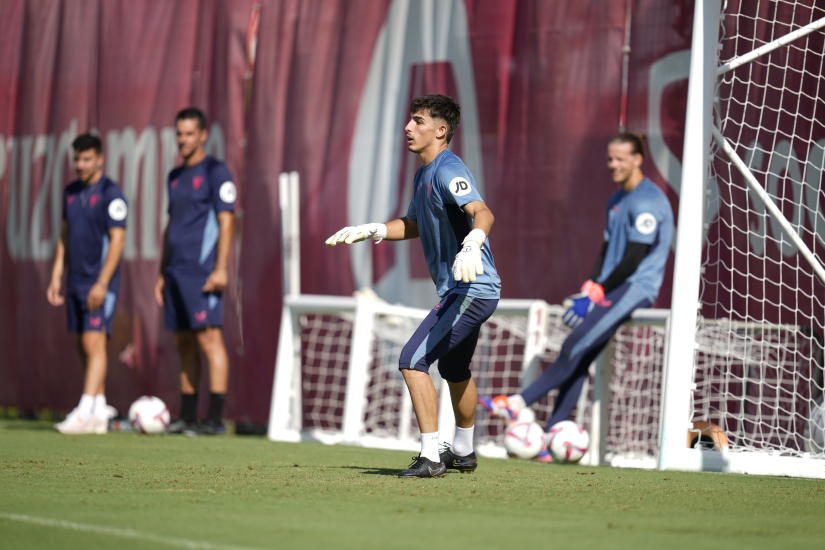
(111, 412)
(74, 424)
(99, 425)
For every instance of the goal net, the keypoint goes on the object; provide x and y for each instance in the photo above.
(337, 377)
(757, 364)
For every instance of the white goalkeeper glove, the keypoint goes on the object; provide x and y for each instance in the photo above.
(349, 235)
(468, 262)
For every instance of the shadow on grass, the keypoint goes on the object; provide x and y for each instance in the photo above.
(374, 471)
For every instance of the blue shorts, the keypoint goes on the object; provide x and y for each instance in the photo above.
(81, 320)
(187, 306)
(448, 335)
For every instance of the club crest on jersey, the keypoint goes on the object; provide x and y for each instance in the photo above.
(197, 181)
(646, 223)
(93, 199)
(228, 193)
(117, 210)
(615, 208)
(460, 187)
(70, 199)
(94, 321)
(174, 183)
(200, 316)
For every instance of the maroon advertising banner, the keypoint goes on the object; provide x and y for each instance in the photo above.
(319, 87)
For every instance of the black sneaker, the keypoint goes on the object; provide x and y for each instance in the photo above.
(206, 427)
(179, 426)
(424, 467)
(464, 464)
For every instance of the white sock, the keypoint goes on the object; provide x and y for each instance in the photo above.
(100, 407)
(87, 403)
(516, 403)
(463, 442)
(429, 446)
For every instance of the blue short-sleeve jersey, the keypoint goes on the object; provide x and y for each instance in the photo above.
(440, 189)
(641, 216)
(197, 194)
(90, 211)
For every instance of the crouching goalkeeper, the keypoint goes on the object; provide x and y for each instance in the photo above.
(627, 276)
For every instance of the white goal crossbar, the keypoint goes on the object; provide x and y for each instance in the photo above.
(348, 335)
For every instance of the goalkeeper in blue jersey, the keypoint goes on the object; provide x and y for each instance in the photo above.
(453, 222)
(627, 276)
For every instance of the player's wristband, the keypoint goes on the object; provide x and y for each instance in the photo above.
(594, 291)
(477, 235)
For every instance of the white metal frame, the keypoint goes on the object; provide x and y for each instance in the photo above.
(285, 416)
(682, 344)
(285, 420)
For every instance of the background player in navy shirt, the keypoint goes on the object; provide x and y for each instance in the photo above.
(94, 231)
(194, 270)
(627, 276)
(447, 213)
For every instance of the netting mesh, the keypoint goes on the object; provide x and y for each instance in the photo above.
(636, 384)
(759, 363)
(637, 353)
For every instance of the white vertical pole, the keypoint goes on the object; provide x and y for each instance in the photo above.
(599, 414)
(286, 257)
(290, 202)
(360, 358)
(535, 342)
(294, 234)
(686, 276)
(283, 423)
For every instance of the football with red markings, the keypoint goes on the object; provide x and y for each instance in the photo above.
(149, 415)
(524, 439)
(567, 441)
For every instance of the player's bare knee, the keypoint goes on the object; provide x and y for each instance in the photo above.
(210, 340)
(93, 342)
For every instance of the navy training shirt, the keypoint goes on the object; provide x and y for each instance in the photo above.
(90, 211)
(440, 190)
(641, 216)
(197, 194)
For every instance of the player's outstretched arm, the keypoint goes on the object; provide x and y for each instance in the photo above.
(396, 230)
(358, 233)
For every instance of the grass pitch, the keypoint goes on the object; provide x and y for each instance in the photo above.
(133, 491)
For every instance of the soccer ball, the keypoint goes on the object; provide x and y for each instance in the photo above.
(149, 415)
(567, 441)
(524, 439)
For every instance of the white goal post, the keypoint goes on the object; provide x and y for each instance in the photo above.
(745, 349)
(337, 378)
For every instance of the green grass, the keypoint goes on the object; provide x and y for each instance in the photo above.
(252, 493)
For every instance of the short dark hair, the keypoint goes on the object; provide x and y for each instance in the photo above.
(86, 142)
(439, 106)
(192, 113)
(636, 140)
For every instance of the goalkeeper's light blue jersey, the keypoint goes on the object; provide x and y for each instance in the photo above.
(641, 216)
(440, 189)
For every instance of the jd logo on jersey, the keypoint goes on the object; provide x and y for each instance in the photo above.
(646, 223)
(460, 187)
